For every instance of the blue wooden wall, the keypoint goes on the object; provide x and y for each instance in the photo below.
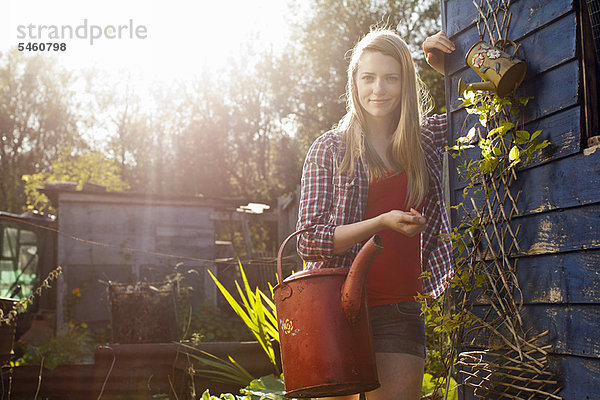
(559, 266)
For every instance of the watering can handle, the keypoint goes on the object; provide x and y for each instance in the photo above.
(280, 253)
(516, 46)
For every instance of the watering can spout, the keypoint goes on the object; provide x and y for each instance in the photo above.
(486, 86)
(353, 289)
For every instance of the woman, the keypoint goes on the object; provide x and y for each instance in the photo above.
(379, 171)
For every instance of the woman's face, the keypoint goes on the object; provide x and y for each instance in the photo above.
(379, 86)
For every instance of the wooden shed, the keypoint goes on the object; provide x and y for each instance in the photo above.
(558, 265)
(126, 238)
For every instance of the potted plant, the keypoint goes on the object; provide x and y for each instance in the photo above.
(143, 312)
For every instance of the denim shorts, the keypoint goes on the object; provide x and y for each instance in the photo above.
(398, 328)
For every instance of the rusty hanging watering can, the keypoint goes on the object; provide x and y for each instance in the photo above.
(324, 328)
(500, 72)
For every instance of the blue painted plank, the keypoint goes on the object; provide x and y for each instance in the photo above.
(527, 15)
(579, 377)
(564, 278)
(547, 99)
(459, 121)
(543, 49)
(562, 130)
(560, 230)
(550, 46)
(572, 328)
(551, 186)
(557, 231)
(460, 14)
(560, 278)
(565, 183)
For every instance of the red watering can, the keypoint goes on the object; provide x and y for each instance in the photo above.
(324, 329)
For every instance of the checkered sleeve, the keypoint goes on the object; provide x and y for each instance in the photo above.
(438, 261)
(316, 200)
(437, 127)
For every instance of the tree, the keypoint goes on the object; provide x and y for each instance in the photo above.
(89, 167)
(36, 119)
(201, 148)
(323, 37)
(257, 131)
(228, 136)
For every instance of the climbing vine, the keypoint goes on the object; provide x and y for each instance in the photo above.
(485, 242)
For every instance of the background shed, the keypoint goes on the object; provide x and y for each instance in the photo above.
(559, 266)
(180, 226)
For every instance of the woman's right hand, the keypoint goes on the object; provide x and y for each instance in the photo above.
(435, 47)
(408, 223)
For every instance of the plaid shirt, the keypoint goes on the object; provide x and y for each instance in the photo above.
(329, 199)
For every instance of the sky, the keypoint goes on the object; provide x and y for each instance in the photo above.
(154, 40)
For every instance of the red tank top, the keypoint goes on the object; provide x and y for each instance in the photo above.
(395, 273)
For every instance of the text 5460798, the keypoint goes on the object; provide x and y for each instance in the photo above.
(48, 46)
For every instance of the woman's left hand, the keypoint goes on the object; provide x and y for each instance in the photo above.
(435, 48)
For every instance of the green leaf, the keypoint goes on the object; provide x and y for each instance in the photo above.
(542, 145)
(267, 300)
(428, 384)
(483, 119)
(535, 134)
(270, 314)
(514, 154)
(506, 126)
(266, 387)
(524, 135)
(466, 102)
(252, 313)
(233, 303)
(229, 396)
(494, 131)
(240, 368)
(245, 301)
(525, 100)
(486, 165)
(221, 370)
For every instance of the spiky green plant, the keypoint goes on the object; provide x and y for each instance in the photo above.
(257, 311)
(218, 369)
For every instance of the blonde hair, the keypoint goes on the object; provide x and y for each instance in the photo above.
(405, 152)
